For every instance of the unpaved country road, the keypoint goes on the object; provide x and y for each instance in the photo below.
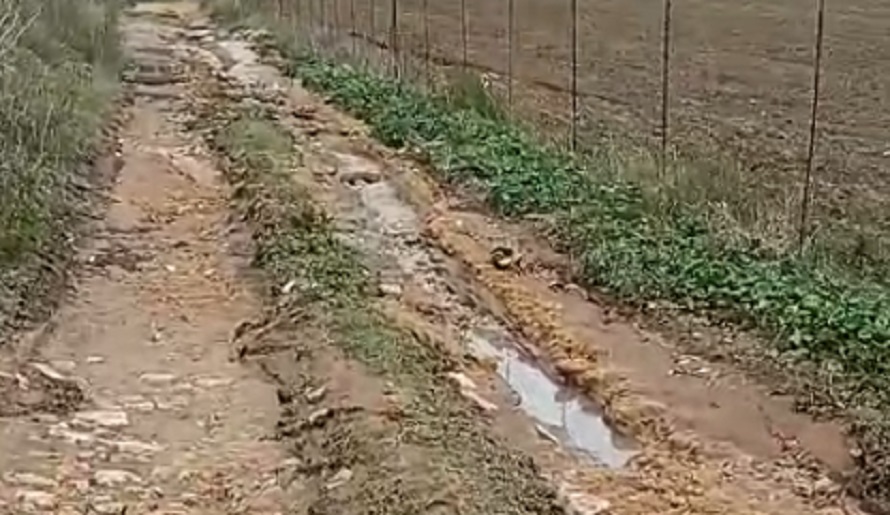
(133, 398)
(170, 424)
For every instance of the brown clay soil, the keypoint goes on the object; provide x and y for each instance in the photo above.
(741, 83)
(169, 383)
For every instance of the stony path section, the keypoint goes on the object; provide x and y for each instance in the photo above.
(169, 424)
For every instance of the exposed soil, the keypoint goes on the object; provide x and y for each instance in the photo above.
(126, 402)
(172, 381)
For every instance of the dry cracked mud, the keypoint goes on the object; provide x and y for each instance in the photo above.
(166, 385)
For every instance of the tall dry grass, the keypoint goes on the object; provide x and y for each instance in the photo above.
(59, 61)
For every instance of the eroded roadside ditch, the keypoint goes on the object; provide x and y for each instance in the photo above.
(500, 344)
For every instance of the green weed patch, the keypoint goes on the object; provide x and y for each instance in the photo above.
(817, 316)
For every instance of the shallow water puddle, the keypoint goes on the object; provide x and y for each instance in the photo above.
(567, 416)
(389, 226)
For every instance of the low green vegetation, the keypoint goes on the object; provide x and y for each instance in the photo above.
(816, 316)
(829, 321)
(58, 65)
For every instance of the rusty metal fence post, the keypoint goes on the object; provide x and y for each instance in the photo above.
(394, 36)
(665, 85)
(464, 33)
(427, 51)
(353, 35)
(814, 112)
(574, 84)
(511, 21)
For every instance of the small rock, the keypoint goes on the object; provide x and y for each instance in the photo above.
(102, 418)
(31, 480)
(35, 499)
(462, 380)
(189, 499)
(571, 367)
(173, 403)
(109, 508)
(133, 446)
(318, 416)
(545, 434)
(483, 404)
(45, 418)
(81, 486)
(65, 365)
(339, 479)
(391, 290)
(49, 372)
(95, 360)
(111, 478)
(157, 379)
(580, 503)
(212, 382)
(824, 486)
(289, 286)
(156, 335)
(316, 395)
(143, 406)
(72, 437)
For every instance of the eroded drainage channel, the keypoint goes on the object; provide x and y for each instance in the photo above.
(374, 219)
(381, 224)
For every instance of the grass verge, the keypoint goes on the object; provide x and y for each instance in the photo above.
(58, 66)
(832, 324)
(816, 316)
(438, 445)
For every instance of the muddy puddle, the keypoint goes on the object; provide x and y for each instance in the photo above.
(561, 414)
(384, 225)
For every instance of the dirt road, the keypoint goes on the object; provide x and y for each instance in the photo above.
(177, 380)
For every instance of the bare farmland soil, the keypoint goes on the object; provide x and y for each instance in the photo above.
(741, 83)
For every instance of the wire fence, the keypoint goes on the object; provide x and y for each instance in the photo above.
(770, 117)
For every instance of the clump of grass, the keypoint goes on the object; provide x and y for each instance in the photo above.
(58, 64)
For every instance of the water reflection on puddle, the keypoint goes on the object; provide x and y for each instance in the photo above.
(561, 412)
